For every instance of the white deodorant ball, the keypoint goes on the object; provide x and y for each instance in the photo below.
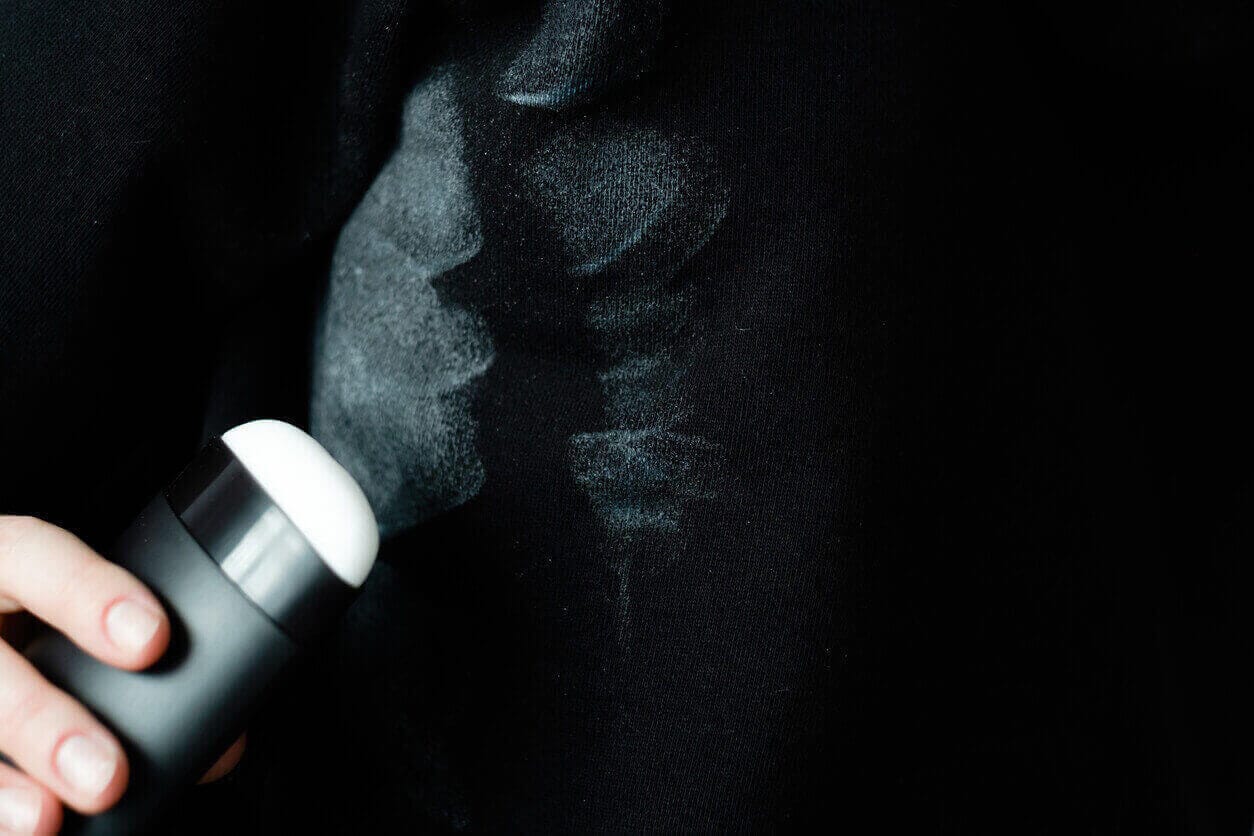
(318, 495)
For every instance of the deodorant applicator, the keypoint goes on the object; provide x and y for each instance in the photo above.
(255, 550)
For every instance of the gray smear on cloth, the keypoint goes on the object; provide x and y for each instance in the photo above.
(581, 49)
(394, 363)
(644, 391)
(629, 208)
(639, 480)
(626, 203)
(621, 318)
(645, 336)
(421, 200)
(639, 483)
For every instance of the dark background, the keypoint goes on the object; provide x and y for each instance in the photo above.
(985, 572)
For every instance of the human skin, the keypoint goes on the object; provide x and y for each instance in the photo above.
(62, 753)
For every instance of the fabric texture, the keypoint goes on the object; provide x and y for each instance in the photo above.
(779, 415)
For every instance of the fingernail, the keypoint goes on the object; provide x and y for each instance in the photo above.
(20, 808)
(131, 626)
(86, 763)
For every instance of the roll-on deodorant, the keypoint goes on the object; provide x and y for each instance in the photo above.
(255, 550)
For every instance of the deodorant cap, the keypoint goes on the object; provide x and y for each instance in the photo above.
(284, 522)
(318, 495)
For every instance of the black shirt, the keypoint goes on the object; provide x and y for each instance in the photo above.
(779, 414)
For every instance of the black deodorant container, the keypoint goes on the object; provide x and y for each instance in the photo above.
(255, 550)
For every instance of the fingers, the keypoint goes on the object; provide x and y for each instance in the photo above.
(55, 740)
(49, 736)
(227, 762)
(26, 807)
(99, 606)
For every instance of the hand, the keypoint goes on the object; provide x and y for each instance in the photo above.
(64, 753)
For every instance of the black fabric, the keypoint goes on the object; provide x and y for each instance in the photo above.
(948, 529)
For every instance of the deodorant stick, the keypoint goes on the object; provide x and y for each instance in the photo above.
(255, 550)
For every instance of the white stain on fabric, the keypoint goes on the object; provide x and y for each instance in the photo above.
(639, 480)
(630, 208)
(395, 363)
(645, 335)
(581, 48)
(627, 203)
